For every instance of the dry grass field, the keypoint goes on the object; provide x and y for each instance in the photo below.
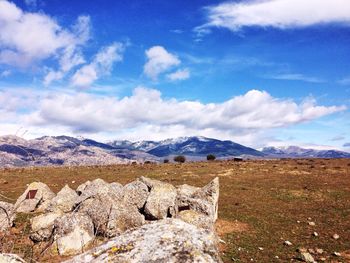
(262, 204)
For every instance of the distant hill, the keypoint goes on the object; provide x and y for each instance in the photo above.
(65, 150)
(200, 146)
(298, 152)
(60, 150)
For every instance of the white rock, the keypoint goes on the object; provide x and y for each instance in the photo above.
(306, 257)
(42, 226)
(10, 258)
(73, 233)
(64, 200)
(203, 200)
(287, 243)
(135, 193)
(337, 254)
(161, 199)
(36, 198)
(7, 215)
(336, 236)
(169, 240)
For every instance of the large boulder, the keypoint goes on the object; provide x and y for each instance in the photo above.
(160, 202)
(203, 200)
(135, 193)
(104, 204)
(110, 217)
(7, 215)
(169, 240)
(10, 258)
(99, 188)
(42, 226)
(36, 197)
(73, 233)
(64, 200)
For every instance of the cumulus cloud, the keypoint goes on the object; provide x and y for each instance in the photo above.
(346, 144)
(101, 65)
(249, 118)
(159, 60)
(26, 37)
(253, 111)
(180, 74)
(277, 13)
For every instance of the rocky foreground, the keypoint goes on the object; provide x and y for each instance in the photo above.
(144, 221)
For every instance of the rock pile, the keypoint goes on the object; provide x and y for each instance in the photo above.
(145, 220)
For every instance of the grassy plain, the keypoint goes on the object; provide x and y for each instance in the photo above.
(262, 203)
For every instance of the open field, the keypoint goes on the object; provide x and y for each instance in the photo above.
(262, 203)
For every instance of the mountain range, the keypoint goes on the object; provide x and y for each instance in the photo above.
(65, 150)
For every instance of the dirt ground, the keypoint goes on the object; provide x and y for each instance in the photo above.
(262, 204)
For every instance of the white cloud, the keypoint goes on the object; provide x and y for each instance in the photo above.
(345, 81)
(247, 113)
(5, 73)
(159, 60)
(29, 37)
(296, 76)
(247, 119)
(180, 74)
(101, 65)
(31, 3)
(277, 13)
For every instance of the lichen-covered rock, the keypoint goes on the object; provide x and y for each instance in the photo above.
(99, 188)
(80, 189)
(42, 226)
(73, 233)
(186, 190)
(122, 218)
(111, 217)
(204, 200)
(64, 200)
(169, 240)
(36, 197)
(195, 218)
(116, 186)
(210, 193)
(7, 215)
(10, 258)
(161, 200)
(135, 193)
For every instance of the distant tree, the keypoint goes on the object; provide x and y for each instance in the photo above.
(180, 159)
(211, 157)
(148, 162)
(166, 160)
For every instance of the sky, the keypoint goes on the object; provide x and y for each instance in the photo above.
(260, 73)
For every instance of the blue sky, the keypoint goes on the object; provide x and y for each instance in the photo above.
(273, 72)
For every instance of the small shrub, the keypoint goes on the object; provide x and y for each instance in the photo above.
(180, 159)
(165, 161)
(211, 157)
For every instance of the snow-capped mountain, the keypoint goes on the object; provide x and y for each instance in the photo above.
(65, 150)
(298, 152)
(60, 150)
(191, 146)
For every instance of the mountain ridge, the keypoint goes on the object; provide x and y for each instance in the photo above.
(66, 150)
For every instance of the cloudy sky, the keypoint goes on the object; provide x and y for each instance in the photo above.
(272, 72)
